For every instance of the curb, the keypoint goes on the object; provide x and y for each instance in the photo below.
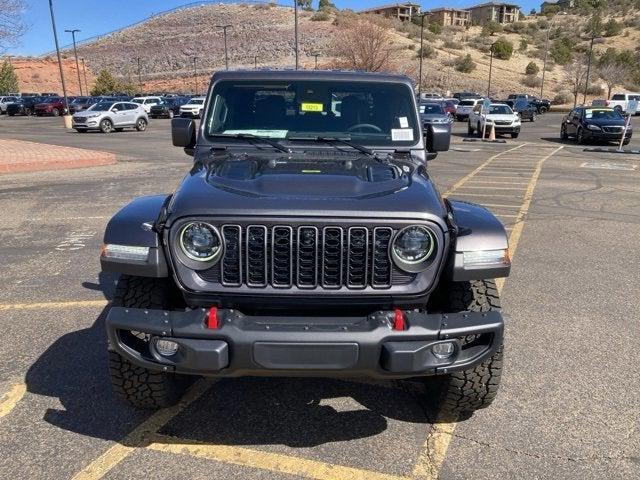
(62, 164)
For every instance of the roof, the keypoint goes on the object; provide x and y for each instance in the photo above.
(391, 5)
(495, 4)
(447, 9)
(330, 75)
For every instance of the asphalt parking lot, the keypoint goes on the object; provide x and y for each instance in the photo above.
(568, 405)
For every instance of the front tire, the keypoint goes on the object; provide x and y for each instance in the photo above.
(55, 112)
(141, 125)
(459, 394)
(469, 129)
(106, 126)
(579, 136)
(563, 133)
(479, 130)
(141, 387)
(515, 135)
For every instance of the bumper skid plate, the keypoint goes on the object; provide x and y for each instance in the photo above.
(324, 346)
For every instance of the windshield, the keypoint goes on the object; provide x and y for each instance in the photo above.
(522, 104)
(500, 110)
(196, 102)
(598, 114)
(101, 106)
(366, 112)
(467, 103)
(138, 100)
(431, 108)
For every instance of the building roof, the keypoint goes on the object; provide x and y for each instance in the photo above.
(495, 4)
(447, 9)
(390, 5)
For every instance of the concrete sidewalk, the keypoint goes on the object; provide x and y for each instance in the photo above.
(20, 156)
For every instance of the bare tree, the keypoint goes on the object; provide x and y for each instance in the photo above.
(363, 43)
(574, 76)
(613, 74)
(11, 25)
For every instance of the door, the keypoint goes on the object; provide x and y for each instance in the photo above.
(119, 115)
(131, 110)
(572, 121)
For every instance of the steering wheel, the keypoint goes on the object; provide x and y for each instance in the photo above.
(365, 125)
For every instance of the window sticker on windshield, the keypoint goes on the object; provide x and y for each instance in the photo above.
(402, 134)
(311, 107)
(404, 123)
(259, 133)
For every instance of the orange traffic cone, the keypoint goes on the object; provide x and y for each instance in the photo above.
(492, 133)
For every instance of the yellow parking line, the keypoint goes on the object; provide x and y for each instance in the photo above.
(45, 305)
(141, 436)
(496, 205)
(10, 399)
(482, 175)
(497, 183)
(273, 462)
(482, 187)
(485, 195)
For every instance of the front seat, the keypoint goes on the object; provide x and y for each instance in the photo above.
(271, 112)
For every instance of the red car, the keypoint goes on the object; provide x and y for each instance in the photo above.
(50, 106)
(449, 107)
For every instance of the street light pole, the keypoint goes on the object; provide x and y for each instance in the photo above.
(586, 81)
(55, 38)
(84, 72)
(139, 75)
(226, 54)
(195, 75)
(295, 29)
(490, 70)
(255, 62)
(75, 53)
(421, 55)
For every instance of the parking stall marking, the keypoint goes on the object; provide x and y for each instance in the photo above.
(52, 305)
(439, 438)
(9, 400)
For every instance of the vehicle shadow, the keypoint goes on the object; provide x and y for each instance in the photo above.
(297, 412)
(106, 284)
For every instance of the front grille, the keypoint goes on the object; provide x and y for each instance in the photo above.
(502, 122)
(306, 257)
(613, 129)
(80, 119)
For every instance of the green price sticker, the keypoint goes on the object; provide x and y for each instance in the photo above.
(311, 107)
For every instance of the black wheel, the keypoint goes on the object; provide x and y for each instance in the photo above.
(479, 130)
(543, 110)
(515, 135)
(563, 132)
(459, 394)
(626, 141)
(139, 386)
(533, 117)
(141, 125)
(55, 112)
(579, 136)
(469, 129)
(106, 126)
(171, 114)
(10, 114)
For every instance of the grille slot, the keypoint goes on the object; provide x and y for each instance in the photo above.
(307, 257)
(232, 261)
(332, 245)
(281, 256)
(357, 257)
(381, 266)
(256, 256)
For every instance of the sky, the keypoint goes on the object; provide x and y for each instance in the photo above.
(95, 17)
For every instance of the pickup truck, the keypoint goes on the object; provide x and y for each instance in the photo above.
(620, 101)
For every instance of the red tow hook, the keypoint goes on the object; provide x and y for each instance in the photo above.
(212, 318)
(398, 320)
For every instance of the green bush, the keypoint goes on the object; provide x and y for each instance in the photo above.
(523, 45)
(491, 27)
(465, 64)
(453, 44)
(320, 16)
(561, 50)
(427, 52)
(612, 28)
(532, 81)
(532, 68)
(8, 78)
(503, 49)
(435, 28)
(562, 97)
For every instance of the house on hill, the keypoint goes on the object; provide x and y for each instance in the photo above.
(401, 11)
(450, 17)
(495, 12)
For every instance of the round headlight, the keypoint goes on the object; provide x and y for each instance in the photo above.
(412, 247)
(200, 242)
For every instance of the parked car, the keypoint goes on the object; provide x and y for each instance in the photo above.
(256, 266)
(429, 96)
(147, 102)
(524, 108)
(465, 107)
(4, 101)
(620, 101)
(463, 95)
(500, 115)
(168, 108)
(50, 106)
(448, 106)
(193, 108)
(109, 116)
(593, 123)
(542, 105)
(81, 103)
(433, 113)
(23, 106)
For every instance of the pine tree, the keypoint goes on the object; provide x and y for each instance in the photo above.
(8, 78)
(105, 84)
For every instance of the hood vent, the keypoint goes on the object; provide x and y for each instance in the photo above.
(381, 173)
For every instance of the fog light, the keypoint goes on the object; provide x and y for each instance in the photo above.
(166, 348)
(443, 350)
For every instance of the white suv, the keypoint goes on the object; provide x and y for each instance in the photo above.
(147, 102)
(620, 101)
(500, 115)
(193, 108)
(4, 101)
(465, 107)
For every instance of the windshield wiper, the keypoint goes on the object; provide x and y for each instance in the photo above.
(341, 140)
(253, 139)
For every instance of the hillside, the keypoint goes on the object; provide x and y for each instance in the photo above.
(166, 45)
(43, 75)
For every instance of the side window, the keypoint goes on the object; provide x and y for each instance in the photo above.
(117, 107)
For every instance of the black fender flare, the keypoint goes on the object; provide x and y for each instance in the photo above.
(136, 225)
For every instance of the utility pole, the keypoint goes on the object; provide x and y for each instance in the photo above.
(421, 54)
(195, 75)
(316, 55)
(546, 51)
(226, 53)
(586, 81)
(84, 72)
(75, 53)
(55, 38)
(295, 29)
(139, 75)
(490, 69)
(255, 62)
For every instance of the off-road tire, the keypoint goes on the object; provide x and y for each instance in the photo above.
(141, 387)
(543, 110)
(515, 135)
(457, 395)
(469, 129)
(479, 130)
(563, 133)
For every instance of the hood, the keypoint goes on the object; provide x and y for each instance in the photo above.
(88, 113)
(341, 186)
(432, 116)
(617, 122)
(505, 116)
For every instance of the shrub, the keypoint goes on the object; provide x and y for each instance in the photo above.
(435, 28)
(594, 89)
(532, 68)
(502, 49)
(465, 64)
(427, 52)
(320, 16)
(612, 28)
(562, 97)
(561, 50)
(491, 27)
(532, 81)
(453, 44)
(523, 45)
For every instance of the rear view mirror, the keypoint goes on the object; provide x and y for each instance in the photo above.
(183, 134)
(438, 137)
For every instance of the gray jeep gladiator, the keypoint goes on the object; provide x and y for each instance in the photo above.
(307, 239)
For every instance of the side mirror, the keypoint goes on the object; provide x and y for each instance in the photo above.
(437, 137)
(183, 134)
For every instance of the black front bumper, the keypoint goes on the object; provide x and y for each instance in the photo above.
(600, 135)
(304, 346)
